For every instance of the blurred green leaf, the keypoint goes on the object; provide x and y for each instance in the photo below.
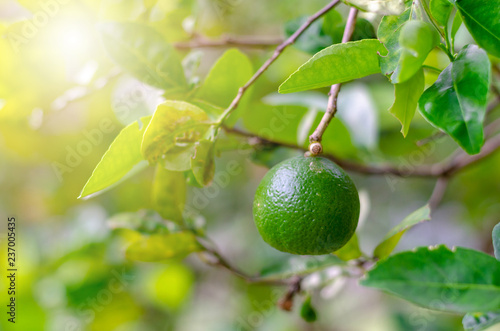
(270, 155)
(113, 10)
(441, 11)
(170, 286)
(480, 321)
(381, 7)
(121, 160)
(173, 123)
(212, 111)
(459, 281)
(417, 39)
(300, 265)
(277, 123)
(191, 180)
(314, 39)
(496, 240)
(307, 311)
(482, 19)
(143, 222)
(350, 251)
(462, 90)
(159, 247)
(281, 124)
(143, 52)
(390, 241)
(203, 163)
(333, 26)
(228, 74)
(355, 109)
(169, 194)
(388, 33)
(336, 64)
(406, 100)
(457, 23)
(363, 29)
(178, 158)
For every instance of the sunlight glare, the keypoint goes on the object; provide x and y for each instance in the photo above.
(72, 39)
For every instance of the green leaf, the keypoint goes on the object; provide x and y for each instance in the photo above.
(457, 23)
(482, 18)
(441, 11)
(173, 123)
(350, 251)
(456, 103)
(460, 281)
(382, 7)
(143, 52)
(313, 39)
(211, 110)
(307, 311)
(480, 321)
(496, 240)
(121, 160)
(406, 100)
(229, 73)
(388, 33)
(392, 238)
(333, 25)
(300, 265)
(159, 247)
(203, 163)
(178, 158)
(169, 194)
(417, 39)
(336, 64)
(363, 29)
(191, 180)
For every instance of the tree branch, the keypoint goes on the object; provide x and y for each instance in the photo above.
(446, 169)
(224, 263)
(463, 160)
(438, 192)
(331, 108)
(228, 41)
(276, 54)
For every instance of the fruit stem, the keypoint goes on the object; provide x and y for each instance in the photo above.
(315, 148)
(331, 108)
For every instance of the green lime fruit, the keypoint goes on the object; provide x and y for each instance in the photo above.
(306, 206)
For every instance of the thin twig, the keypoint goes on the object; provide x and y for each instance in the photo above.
(438, 192)
(331, 108)
(227, 41)
(286, 302)
(492, 128)
(224, 263)
(276, 54)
